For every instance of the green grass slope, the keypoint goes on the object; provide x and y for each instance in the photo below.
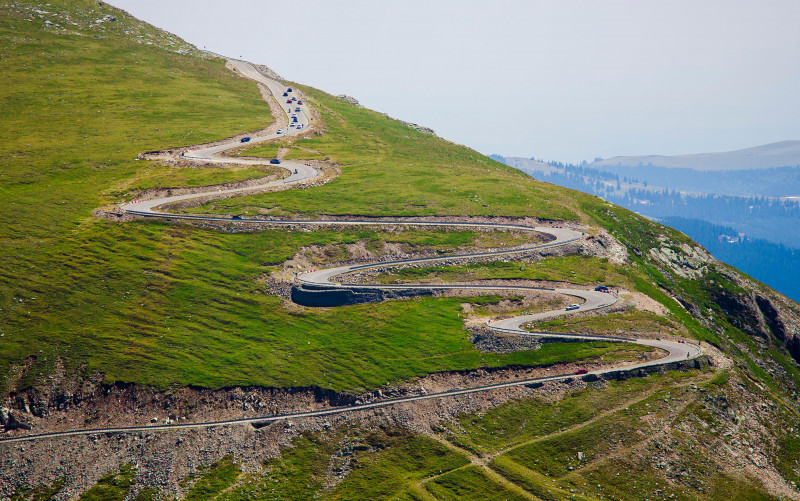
(167, 305)
(389, 169)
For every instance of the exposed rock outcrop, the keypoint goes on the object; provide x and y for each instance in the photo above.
(418, 128)
(349, 99)
(683, 260)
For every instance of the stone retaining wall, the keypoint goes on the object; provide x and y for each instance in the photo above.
(309, 295)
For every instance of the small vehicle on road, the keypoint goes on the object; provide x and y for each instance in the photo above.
(245, 139)
(289, 101)
(285, 94)
(581, 371)
(300, 102)
(299, 126)
(275, 161)
(280, 131)
(237, 217)
(572, 307)
(295, 171)
(289, 89)
(297, 109)
(601, 288)
(294, 98)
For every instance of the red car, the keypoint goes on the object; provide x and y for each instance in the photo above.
(581, 371)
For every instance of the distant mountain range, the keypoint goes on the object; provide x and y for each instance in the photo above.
(771, 170)
(781, 154)
(757, 200)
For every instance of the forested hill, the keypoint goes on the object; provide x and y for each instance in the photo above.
(773, 264)
(770, 224)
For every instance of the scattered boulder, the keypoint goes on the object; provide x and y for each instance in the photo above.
(10, 421)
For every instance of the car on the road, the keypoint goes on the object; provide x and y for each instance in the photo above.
(300, 102)
(294, 98)
(245, 139)
(289, 89)
(299, 126)
(275, 161)
(297, 109)
(289, 101)
(601, 288)
(236, 217)
(582, 371)
(572, 307)
(280, 131)
(285, 94)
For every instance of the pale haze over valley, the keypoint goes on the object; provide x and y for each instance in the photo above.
(566, 81)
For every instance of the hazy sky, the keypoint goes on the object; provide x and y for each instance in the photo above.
(556, 79)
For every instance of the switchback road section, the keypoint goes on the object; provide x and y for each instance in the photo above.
(300, 173)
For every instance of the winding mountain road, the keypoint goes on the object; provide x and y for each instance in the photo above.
(301, 173)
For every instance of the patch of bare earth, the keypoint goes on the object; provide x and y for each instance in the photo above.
(166, 456)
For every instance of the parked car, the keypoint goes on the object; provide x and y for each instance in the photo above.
(289, 89)
(289, 101)
(245, 139)
(285, 94)
(572, 307)
(299, 102)
(275, 161)
(582, 371)
(294, 99)
(297, 109)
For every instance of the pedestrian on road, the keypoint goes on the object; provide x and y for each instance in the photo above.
(687, 354)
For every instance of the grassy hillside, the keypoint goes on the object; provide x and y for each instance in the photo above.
(167, 305)
(170, 305)
(390, 169)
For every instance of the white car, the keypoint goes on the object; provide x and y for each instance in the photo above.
(572, 307)
(299, 126)
(280, 131)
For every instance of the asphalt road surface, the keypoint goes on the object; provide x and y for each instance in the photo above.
(589, 299)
